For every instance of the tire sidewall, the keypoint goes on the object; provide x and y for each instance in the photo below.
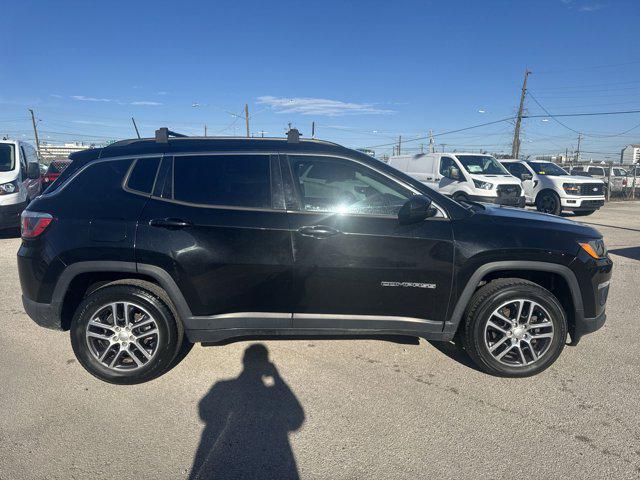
(556, 199)
(161, 314)
(546, 300)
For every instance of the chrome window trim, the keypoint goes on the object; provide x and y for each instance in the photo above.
(133, 158)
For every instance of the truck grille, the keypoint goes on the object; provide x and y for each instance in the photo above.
(592, 189)
(508, 191)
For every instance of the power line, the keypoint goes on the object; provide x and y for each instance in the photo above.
(445, 133)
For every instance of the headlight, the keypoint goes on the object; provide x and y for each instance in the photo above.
(571, 188)
(483, 185)
(7, 188)
(595, 248)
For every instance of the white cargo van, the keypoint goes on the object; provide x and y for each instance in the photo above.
(463, 176)
(19, 180)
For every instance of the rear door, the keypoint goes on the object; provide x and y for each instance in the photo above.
(216, 223)
(351, 256)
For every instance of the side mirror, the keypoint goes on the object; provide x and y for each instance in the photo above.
(454, 173)
(33, 170)
(526, 176)
(415, 210)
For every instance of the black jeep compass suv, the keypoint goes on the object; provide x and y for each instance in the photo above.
(145, 245)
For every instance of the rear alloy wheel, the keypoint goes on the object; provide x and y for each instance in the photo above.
(549, 202)
(124, 334)
(514, 328)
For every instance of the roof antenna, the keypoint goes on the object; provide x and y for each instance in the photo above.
(293, 135)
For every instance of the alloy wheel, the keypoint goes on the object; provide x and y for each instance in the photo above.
(519, 332)
(123, 336)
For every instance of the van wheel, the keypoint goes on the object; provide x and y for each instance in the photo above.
(460, 197)
(514, 328)
(124, 334)
(583, 213)
(549, 202)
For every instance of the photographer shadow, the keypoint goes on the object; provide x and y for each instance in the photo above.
(247, 422)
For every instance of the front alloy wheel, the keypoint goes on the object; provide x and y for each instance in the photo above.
(519, 332)
(514, 328)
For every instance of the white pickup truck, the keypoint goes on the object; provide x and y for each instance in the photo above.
(551, 189)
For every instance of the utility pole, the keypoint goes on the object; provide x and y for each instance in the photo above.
(432, 142)
(399, 144)
(515, 148)
(578, 149)
(313, 129)
(443, 145)
(422, 148)
(246, 117)
(135, 127)
(35, 132)
(205, 129)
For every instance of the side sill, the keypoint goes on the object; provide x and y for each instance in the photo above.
(218, 328)
(221, 336)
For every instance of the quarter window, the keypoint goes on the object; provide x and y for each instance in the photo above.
(340, 186)
(143, 174)
(231, 180)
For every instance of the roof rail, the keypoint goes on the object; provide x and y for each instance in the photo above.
(163, 134)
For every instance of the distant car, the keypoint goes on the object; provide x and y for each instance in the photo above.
(551, 189)
(54, 171)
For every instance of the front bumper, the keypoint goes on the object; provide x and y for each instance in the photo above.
(581, 203)
(508, 201)
(584, 326)
(44, 314)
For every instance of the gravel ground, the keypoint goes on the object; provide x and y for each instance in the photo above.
(336, 409)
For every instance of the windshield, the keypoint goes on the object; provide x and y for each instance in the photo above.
(482, 164)
(547, 168)
(7, 157)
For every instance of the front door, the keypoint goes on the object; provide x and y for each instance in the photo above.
(351, 256)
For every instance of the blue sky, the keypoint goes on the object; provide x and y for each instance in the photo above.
(365, 72)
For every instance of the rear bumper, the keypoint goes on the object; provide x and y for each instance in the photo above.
(44, 314)
(10, 214)
(508, 201)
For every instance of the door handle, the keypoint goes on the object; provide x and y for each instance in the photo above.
(318, 231)
(169, 223)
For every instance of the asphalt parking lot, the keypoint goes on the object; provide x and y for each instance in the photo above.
(335, 409)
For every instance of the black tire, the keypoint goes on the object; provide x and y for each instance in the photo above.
(167, 343)
(548, 202)
(480, 310)
(460, 197)
(583, 213)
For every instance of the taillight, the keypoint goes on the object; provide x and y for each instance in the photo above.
(32, 224)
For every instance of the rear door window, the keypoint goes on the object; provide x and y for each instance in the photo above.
(223, 180)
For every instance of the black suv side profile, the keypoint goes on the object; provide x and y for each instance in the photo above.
(147, 245)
